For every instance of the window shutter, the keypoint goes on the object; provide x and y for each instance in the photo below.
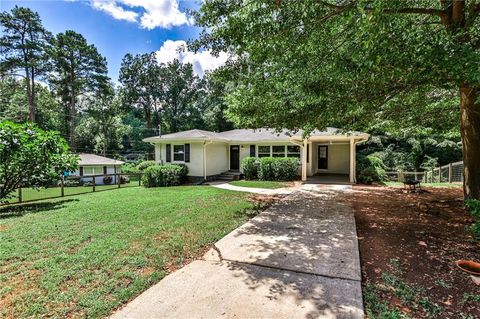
(187, 153)
(169, 153)
(252, 150)
(308, 152)
(81, 170)
(104, 170)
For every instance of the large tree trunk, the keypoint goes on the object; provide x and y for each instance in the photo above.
(31, 106)
(73, 115)
(31, 98)
(470, 130)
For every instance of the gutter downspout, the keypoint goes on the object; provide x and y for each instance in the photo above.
(205, 159)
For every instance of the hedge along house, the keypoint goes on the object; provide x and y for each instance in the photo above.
(329, 154)
(91, 164)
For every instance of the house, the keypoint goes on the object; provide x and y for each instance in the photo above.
(209, 154)
(92, 164)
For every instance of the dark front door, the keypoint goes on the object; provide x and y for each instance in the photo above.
(234, 157)
(322, 157)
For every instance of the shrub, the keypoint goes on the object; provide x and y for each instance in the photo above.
(124, 179)
(144, 165)
(272, 168)
(370, 169)
(473, 206)
(164, 175)
(130, 168)
(107, 180)
(72, 181)
(250, 167)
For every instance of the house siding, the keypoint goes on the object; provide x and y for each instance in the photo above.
(338, 158)
(218, 160)
(195, 166)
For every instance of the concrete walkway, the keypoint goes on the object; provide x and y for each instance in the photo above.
(264, 191)
(298, 259)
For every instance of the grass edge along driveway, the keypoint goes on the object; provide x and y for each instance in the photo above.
(84, 256)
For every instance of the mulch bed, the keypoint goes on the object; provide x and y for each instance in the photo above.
(417, 237)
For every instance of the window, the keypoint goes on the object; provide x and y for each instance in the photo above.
(293, 151)
(263, 151)
(278, 151)
(179, 153)
(92, 170)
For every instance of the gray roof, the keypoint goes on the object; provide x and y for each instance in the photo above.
(248, 135)
(92, 159)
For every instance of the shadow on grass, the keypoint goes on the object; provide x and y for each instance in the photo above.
(27, 208)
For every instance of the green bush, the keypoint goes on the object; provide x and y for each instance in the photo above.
(144, 165)
(370, 169)
(250, 167)
(164, 175)
(270, 168)
(107, 180)
(473, 206)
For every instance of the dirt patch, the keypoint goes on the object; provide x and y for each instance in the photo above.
(408, 246)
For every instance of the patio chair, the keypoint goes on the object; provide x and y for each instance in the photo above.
(412, 186)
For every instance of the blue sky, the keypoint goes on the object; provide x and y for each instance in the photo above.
(117, 27)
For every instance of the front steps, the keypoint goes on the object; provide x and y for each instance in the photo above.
(229, 176)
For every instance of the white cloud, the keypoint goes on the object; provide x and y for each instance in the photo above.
(202, 61)
(153, 13)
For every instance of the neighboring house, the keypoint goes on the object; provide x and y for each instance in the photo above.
(91, 164)
(209, 154)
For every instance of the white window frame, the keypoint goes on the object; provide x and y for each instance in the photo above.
(173, 153)
(284, 152)
(297, 154)
(95, 170)
(269, 150)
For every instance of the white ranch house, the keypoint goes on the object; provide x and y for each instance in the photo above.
(208, 154)
(92, 164)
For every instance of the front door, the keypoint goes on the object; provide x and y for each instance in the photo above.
(234, 157)
(322, 157)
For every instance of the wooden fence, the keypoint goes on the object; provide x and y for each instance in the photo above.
(450, 173)
(87, 184)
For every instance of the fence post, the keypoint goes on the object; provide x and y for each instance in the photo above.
(439, 174)
(433, 172)
(139, 180)
(118, 180)
(416, 175)
(450, 173)
(19, 194)
(62, 185)
(93, 183)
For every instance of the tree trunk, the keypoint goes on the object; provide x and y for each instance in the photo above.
(73, 114)
(31, 107)
(470, 130)
(31, 98)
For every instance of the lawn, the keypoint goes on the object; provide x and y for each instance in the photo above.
(29, 194)
(449, 185)
(84, 256)
(260, 184)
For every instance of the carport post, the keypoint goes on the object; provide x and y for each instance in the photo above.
(352, 161)
(304, 160)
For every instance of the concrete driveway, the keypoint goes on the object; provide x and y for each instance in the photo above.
(298, 259)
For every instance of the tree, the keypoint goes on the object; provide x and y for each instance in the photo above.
(214, 104)
(78, 71)
(139, 76)
(23, 43)
(307, 64)
(179, 96)
(31, 157)
(14, 104)
(102, 127)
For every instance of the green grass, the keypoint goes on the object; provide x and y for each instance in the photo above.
(448, 185)
(260, 184)
(29, 194)
(84, 256)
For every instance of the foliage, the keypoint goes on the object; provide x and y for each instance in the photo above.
(107, 180)
(114, 231)
(370, 169)
(130, 168)
(31, 157)
(78, 69)
(259, 184)
(72, 181)
(24, 42)
(474, 208)
(164, 175)
(144, 165)
(270, 168)
(353, 64)
(249, 167)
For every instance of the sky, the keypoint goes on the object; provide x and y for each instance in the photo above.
(118, 27)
